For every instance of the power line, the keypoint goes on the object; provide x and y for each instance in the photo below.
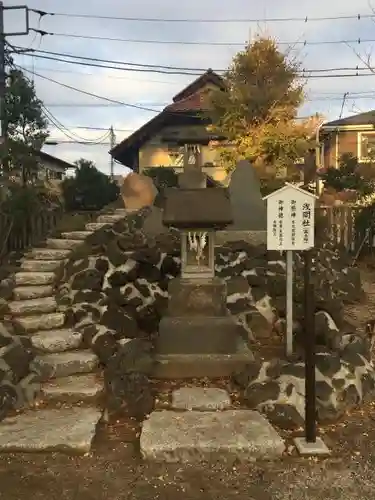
(63, 141)
(304, 19)
(85, 74)
(105, 66)
(101, 128)
(178, 68)
(164, 104)
(115, 101)
(58, 70)
(52, 119)
(100, 105)
(25, 50)
(69, 134)
(357, 41)
(110, 100)
(305, 73)
(83, 143)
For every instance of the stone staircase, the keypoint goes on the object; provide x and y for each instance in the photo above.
(71, 372)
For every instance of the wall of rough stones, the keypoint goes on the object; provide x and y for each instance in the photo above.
(18, 384)
(114, 290)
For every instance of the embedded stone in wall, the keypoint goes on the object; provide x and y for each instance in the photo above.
(17, 385)
(277, 388)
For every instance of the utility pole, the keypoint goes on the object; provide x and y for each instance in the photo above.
(343, 103)
(3, 34)
(112, 140)
(2, 76)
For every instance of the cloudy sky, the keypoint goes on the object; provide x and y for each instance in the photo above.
(81, 114)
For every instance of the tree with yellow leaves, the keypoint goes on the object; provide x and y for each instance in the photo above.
(257, 112)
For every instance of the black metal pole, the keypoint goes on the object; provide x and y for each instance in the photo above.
(310, 395)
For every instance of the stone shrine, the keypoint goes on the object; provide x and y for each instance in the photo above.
(248, 208)
(198, 338)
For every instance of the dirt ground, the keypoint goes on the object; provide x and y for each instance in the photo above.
(115, 471)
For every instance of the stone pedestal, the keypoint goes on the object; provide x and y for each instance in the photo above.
(197, 297)
(197, 335)
(198, 338)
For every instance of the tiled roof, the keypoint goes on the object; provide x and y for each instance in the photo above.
(190, 99)
(209, 77)
(194, 102)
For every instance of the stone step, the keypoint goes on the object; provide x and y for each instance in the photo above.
(76, 235)
(200, 399)
(40, 265)
(32, 306)
(64, 364)
(53, 341)
(75, 388)
(111, 218)
(67, 430)
(48, 254)
(95, 226)
(200, 436)
(63, 244)
(34, 278)
(30, 324)
(32, 292)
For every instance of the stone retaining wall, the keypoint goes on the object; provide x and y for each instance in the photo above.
(115, 290)
(18, 385)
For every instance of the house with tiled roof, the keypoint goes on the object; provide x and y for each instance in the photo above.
(183, 123)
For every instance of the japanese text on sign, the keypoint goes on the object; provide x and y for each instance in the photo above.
(281, 226)
(293, 215)
(290, 219)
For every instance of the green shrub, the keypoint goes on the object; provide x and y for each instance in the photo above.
(348, 176)
(163, 178)
(90, 189)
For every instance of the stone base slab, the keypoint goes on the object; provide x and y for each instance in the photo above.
(193, 437)
(185, 366)
(305, 449)
(197, 335)
(69, 430)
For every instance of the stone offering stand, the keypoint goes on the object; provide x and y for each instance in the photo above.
(84, 334)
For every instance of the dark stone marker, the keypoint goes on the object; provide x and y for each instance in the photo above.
(248, 207)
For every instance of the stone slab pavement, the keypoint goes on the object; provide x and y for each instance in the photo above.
(69, 430)
(196, 436)
(200, 398)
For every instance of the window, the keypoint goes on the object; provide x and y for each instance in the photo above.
(366, 146)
